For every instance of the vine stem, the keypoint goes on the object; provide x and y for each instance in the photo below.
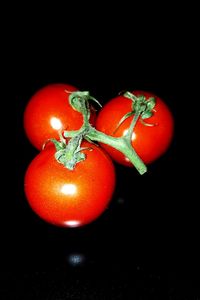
(132, 126)
(79, 101)
(120, 143)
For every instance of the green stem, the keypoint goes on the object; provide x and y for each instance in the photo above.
(85, 113)
(79, 101)
(132, 126)
(121, 144)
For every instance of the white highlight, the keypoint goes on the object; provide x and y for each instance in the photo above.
(55, 123)
(133, 134)
(72, 223)
(68, 189)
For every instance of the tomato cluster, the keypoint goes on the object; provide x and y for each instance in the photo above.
(75, 196)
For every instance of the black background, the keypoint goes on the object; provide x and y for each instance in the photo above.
(146, 244)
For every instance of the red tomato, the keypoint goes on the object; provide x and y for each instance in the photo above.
(150, 142)
(49, 112)
(70, 198)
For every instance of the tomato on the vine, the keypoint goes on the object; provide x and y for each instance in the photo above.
(48, 112)
(150, 138)
(70, 198)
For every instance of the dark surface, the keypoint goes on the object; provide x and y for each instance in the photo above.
(145, 246)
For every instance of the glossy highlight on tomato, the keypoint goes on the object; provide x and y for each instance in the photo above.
(70, 198)
(150, 142)
(48, 112)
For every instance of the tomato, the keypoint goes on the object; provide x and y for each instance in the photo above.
(150, 142)
(48, 112)
(70, 198)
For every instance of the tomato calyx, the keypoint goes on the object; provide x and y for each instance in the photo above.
(69, 154)
(80, 102)
(142, 109)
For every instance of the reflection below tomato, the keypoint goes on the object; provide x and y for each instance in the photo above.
(76, 259)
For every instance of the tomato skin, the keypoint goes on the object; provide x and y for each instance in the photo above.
(48, 112)
(70, 198)
(150, 142)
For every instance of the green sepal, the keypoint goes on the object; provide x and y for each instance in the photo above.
(140, 104)
(146, 114)
(69, 154)
(77, 99)
(95, 100)
(127, 115)
(151, 102)
(59, 145)
(68, 160)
